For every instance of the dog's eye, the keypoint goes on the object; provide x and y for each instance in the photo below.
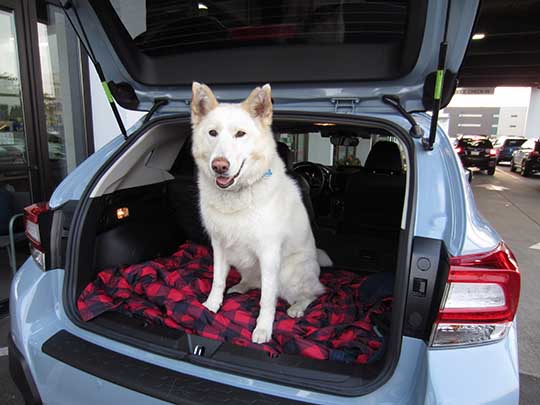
(239, 134)
(212, 132)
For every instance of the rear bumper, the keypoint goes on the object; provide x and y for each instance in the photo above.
(504, 157)
(533, 165)
(481, 163)
(21, 376)
(69, 365)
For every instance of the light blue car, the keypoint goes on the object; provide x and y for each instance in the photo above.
(384, 188)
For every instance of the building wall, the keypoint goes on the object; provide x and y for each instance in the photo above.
(472, 120)
(512, 121)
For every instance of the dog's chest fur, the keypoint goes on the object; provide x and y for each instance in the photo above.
(243, 222)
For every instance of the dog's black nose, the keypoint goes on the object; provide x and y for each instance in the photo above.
(220, 165)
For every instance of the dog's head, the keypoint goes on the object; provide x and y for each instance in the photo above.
(232, 143)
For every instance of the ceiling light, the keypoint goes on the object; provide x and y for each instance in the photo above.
(478, 36)
(324, 124)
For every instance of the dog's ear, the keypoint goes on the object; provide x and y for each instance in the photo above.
(259, 104)
(202, 102)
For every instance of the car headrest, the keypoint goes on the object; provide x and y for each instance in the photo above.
(384, 158)
(285, 154)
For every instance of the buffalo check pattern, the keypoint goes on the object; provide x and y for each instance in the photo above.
(345, 324)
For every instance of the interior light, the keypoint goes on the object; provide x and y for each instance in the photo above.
(324, 124)
(478, 36)
(203, 6)
(122, 213)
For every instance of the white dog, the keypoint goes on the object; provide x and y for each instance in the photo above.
(251, 209)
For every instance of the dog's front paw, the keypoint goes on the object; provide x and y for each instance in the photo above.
(261, 335)
(212, 305)
(295, 311)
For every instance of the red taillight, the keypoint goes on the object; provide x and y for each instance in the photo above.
(493, 152)
(481, 299)
(459, 150)
(32, 215)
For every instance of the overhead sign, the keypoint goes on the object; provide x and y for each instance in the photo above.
(475, 90)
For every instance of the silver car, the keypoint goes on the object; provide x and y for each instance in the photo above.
(387, 195)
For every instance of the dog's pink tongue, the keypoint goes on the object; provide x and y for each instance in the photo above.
(224, 181)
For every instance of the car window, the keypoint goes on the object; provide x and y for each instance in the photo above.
(161, 27)
(315, 148)
(475, 143)
(528, 145)
(514, 142)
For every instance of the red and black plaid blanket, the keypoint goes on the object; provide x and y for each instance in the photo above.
(345, 324)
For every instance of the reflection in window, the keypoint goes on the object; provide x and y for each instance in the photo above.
(63, 96)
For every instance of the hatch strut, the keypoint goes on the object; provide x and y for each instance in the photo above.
(439, 80)
(88, 48)
(416, 130)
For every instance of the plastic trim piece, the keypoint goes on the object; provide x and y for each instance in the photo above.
(146, 378)
(21, 376)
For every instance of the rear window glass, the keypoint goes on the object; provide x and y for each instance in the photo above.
(514, 142)
(167, 42)
(169, 26)
(475, 143)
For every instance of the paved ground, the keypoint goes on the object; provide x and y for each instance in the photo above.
(511, 204)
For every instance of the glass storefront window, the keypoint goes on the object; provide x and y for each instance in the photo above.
(63, 95)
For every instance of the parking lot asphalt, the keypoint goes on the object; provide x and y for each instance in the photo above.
(511, 204)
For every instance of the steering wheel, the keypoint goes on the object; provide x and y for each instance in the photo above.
(314, 173)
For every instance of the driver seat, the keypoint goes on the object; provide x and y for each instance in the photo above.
(305, 190)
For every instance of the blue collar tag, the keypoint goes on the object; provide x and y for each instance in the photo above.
(268, 173)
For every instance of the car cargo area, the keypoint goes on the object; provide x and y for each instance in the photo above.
(144, 265)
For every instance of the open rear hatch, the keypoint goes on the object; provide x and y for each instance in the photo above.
(323, 55)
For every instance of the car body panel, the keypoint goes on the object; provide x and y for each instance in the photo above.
(410, 88)
(422, 375)
(522, 157)
(476, 375)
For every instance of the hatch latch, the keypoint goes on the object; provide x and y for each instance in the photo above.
(345, 105)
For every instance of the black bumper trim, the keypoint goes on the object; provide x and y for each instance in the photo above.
(146, 378)
(21, 376)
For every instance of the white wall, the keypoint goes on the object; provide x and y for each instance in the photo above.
(103, 121)
(320, 150)
(502, 97)
(532, 127)
(512, 101)
(512, 121)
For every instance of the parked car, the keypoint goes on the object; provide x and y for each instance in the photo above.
(477, 151)
(526, 159)
(506, 145)
(412, 229)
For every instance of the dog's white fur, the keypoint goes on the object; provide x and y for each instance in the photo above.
(258, 224)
